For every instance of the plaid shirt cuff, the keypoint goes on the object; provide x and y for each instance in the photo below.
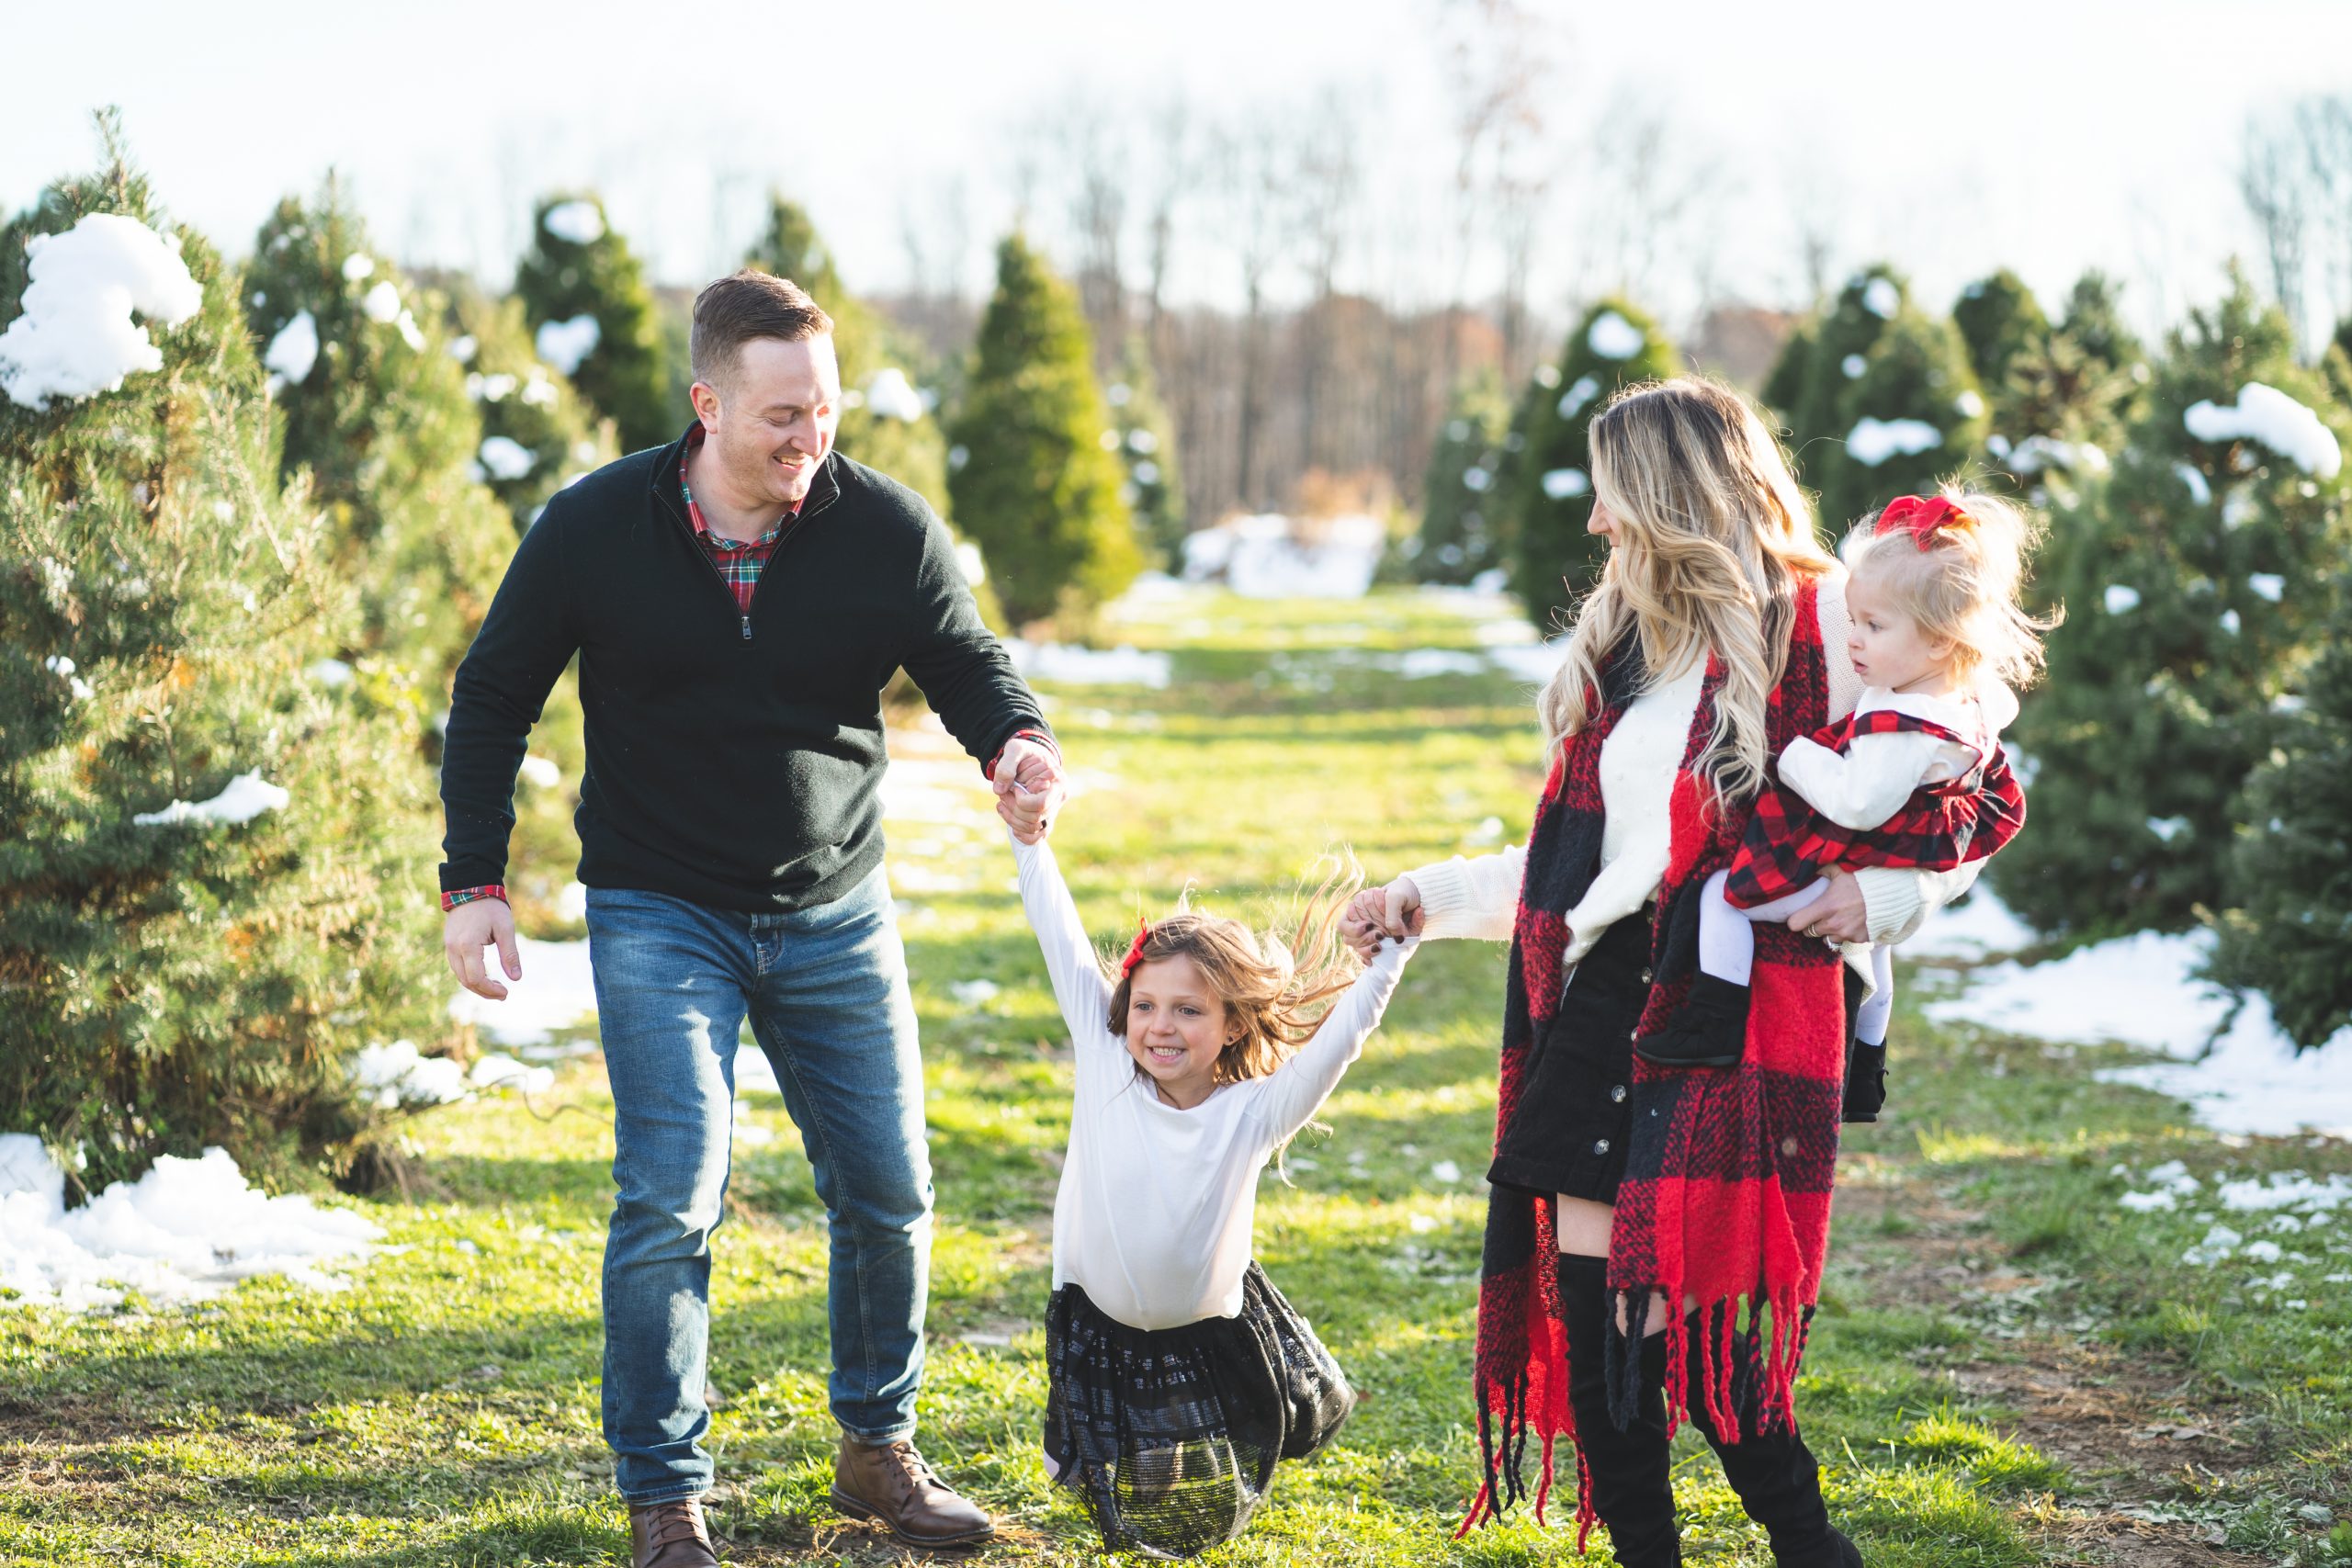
(988, 769)
(467, 895)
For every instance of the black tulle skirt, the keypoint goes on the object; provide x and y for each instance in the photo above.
(1170, 1435)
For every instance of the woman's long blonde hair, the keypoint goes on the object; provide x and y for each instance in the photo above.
(1711, 538)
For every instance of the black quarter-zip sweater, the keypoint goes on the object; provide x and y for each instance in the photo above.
(733, 759)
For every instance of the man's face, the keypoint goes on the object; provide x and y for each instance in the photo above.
(774, 421)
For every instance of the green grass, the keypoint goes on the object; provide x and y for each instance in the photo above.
(444, 1410)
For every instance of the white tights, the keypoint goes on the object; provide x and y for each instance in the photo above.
(1728, 949)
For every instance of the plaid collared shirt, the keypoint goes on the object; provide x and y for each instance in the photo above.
(739, 563)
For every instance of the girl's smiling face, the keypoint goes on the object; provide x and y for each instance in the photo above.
(1176, 1028)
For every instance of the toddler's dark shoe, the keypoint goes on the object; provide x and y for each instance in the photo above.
(1709, 1030)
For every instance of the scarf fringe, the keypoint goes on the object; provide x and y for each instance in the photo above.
(1751, 1349)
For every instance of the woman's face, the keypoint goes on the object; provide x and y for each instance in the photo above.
(1602, 522)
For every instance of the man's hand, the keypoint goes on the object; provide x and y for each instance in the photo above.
(1838, 915)
(1394, 910)
(470, 928)
(1029, 788)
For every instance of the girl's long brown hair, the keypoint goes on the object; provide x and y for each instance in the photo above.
(1274, 990)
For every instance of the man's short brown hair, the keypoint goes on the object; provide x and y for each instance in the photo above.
(752, 304)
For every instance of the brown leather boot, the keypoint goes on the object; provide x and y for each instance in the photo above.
(670, 1535)
(896, 1486)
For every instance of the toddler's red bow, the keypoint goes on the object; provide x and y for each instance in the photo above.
(1923, 516)
(1134, 949)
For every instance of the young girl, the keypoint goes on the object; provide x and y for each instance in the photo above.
(1915, 777)
(1178, 1375)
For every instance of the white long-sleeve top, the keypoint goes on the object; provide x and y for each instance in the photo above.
(1861, 787)
(1479, 896)
(1156, 1208)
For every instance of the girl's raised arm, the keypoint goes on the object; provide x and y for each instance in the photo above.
(1295, 1091)
(1080, 989)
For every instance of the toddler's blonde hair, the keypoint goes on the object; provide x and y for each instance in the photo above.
(1965, 585)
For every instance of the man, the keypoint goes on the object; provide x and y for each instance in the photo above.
(738, 600)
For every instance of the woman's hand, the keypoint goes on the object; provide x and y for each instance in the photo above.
(1394, 910)
(1838, 915)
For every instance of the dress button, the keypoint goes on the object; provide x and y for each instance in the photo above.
(1646, 976)
(1601, 1145)
(1636, 1034)
(1617, 1095)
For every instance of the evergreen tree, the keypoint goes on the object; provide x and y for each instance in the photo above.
(1842, 337)
(538, 433)
(1463, 498)
(2289, 931)
(1147, 438)
(585, 294)
(1615, 345)
(1036, 487)
(2063, 409)
(1914, 415)
(887, 422)
(168, 618)
(2194, 577)
(377, 412)
(1998, 319)
(2094, 319)
(1784, 387)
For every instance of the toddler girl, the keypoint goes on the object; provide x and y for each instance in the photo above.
(1178, 1374)
(1915, 777)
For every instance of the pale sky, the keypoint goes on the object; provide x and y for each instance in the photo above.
(2047, 136)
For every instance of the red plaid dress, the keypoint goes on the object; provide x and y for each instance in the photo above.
(1789, 843)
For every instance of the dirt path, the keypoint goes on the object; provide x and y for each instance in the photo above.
(2141, 1442)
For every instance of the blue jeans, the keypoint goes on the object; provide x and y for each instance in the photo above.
(826, 993)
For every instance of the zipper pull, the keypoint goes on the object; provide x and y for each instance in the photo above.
(747, 628)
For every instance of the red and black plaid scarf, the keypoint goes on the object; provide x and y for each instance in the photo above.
(1725, 1198)
(1943, 825)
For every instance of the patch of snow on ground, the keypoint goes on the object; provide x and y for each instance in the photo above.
(1272, 557)
(496, 1071)
(556, 992)
(75, 336)
(1983, 926)
(186, 1230)
(1420, 663)
(2142, 991)
(401, 1075)
(755, 1074)
(1121, 666)
(1535, 663)
(243, 798)
(2265, 413)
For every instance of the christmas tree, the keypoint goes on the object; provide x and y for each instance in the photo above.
(1810, 392)
(2196, 576)
(585, 294)
(1037, 485)
(538, 433)
(375, 412)
(1998, 319)
(2289, 933)
(1784, 385)
(1463, 500)
(216, 885)
(1913, 416)
(1147, 438)
(887, 422)
(2061, 409)
(1616, 345)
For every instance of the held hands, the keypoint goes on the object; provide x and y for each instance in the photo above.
(1029, 788)
(467, 930)
(1392, 912)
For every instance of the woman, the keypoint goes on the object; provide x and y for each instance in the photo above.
(1716, 634)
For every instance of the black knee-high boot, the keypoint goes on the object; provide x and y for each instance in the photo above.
(1630, 1468)
(1776, 1479)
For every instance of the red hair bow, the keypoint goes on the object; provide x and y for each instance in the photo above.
(1134, 948)
(1923, 516)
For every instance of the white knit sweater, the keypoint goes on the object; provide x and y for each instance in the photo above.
(1479, 897)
